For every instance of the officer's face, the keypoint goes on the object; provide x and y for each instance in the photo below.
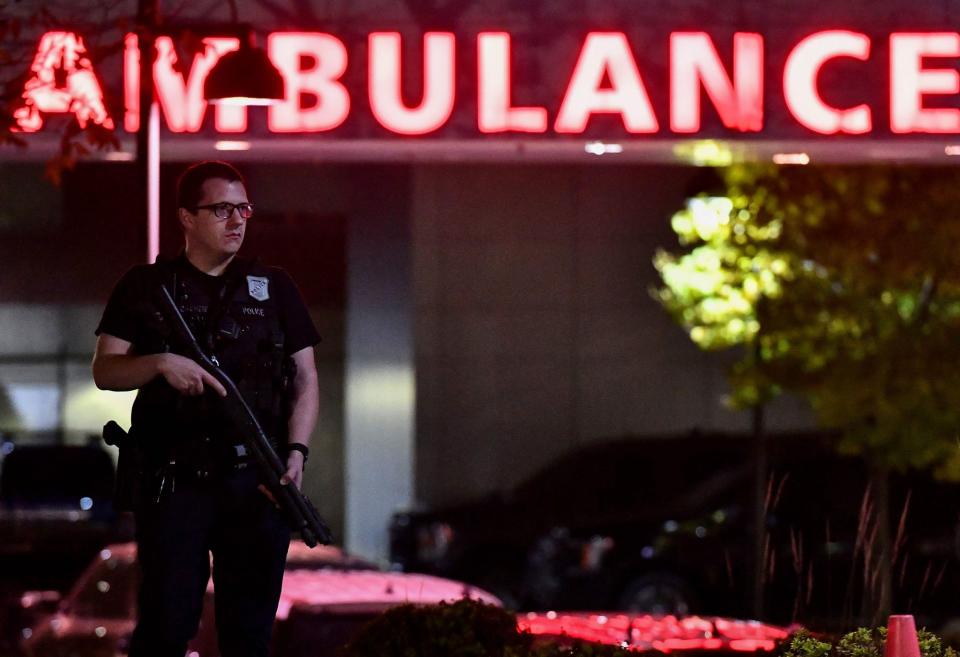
(204, 230)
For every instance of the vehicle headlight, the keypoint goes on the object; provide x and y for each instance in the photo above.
(592, 552)
(433, 541)
(559, 550)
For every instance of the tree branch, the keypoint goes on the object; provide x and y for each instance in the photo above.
(927, 291)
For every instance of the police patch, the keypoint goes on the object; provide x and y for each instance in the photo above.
(257, 287)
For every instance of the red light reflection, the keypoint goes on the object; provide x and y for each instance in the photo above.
(665, 634)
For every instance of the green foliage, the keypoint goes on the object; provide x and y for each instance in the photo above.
(862, 642)
(841, 285)
(803, 644)
(462, 628)
(574, 649)
(465, 628)
(930, 644)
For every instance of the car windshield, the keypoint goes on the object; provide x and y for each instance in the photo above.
(630, 476)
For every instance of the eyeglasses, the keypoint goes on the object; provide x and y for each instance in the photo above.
(225, 210)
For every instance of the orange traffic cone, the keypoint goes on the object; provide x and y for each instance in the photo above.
(902, 638)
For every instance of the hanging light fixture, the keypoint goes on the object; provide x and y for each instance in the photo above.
(245, 76)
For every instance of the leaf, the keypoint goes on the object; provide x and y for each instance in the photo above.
(849, 276)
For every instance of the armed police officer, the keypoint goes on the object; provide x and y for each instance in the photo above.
(198, 493)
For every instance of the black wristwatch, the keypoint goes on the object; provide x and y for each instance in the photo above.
(299, 447)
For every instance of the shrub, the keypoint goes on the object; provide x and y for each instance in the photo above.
(863, 642)
(463, 629)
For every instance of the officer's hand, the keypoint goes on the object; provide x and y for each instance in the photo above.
(294, 469)
(187, 377)
(294, 475)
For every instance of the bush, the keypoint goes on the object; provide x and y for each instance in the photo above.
(462, 629)
(863, 642)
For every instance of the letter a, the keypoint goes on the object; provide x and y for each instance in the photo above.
(63, 82)
(606, 53)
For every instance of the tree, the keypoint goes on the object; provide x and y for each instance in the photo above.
(843, 284)
(20, 24)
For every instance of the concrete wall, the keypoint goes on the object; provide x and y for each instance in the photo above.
(536, 331)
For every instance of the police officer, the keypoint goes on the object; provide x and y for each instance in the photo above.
(197, 495)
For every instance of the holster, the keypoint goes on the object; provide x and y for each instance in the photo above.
(130, 465)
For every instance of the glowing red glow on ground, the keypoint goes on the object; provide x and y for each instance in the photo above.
(665, 634)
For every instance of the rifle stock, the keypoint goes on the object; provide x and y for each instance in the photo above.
(295, 506)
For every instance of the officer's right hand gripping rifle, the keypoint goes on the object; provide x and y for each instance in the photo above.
(294, 505)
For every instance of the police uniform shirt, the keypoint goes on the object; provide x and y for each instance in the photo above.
(121, 317)
(130, 312)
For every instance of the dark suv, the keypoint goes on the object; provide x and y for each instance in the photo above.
(664, 525)
(56, 514)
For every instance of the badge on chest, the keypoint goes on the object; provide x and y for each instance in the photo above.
(258, 287)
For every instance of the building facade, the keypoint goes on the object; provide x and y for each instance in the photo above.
(470, 195)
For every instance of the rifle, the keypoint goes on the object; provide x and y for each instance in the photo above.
(298, 510)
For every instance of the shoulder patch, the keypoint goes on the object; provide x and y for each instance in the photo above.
(258, 287)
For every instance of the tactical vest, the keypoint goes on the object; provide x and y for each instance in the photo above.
(241, 330)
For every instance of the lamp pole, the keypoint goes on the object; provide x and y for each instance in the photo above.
(243, 77)
(148, 134)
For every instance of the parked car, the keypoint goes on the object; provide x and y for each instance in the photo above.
(56, 508)
(663, 525)
(56, 514)
(326, 595)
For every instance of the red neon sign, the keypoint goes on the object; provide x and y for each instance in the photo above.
(606, 54)
(606, 80)
(180, 98)
(320, 80)
(62, 81)
(909, 82)
(386, 101)
(694, 61)
(800, 83)
(495, 113)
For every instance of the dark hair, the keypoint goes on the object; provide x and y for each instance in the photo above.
(190, 183)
